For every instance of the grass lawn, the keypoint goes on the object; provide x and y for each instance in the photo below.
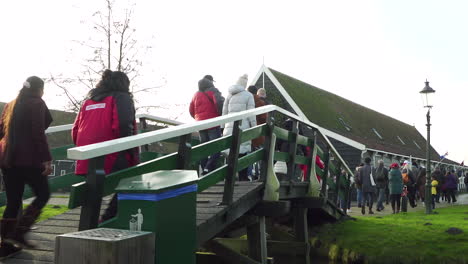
(404, 237)
(47, 212)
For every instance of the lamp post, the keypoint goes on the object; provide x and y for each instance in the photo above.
(426, 94)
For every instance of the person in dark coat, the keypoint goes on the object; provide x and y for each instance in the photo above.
(207, 103)
(441, 181)
(381, 178)
(107, 113)
(261, 119)
(25, 159)
(368, 185)
(451, 184)
(395, 187)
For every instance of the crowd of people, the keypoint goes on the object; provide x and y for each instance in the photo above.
(208, 102)
(108, 112)
(406, 180)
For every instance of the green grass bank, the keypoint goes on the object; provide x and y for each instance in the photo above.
(401, 238)
(47, 212)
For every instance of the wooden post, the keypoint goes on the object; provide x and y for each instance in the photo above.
(292, 151)
(347, 191)
(232, 161)
(91, 209)
(184, 152)
(267, 147)
(256, 235)
(144, 126)
(325, 170)
(312, 160)
(337, 186)
(301, 229)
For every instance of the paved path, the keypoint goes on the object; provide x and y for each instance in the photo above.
(462, 199)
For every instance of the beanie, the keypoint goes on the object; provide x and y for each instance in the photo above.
(204, 84)
(243, 80)
(252, 89)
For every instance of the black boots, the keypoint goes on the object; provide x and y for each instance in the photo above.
(30, 216)
(7, 227)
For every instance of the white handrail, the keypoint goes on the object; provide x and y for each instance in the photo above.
(61, 128)
(120, 144)
(68, 127)
(159, 119)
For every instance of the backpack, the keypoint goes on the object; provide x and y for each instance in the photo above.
(380, 177)
(406, 178)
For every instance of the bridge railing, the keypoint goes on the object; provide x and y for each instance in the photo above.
(188, 157)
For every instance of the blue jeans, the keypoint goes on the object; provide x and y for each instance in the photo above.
(359, 197)
(381, 198)
(209, 163)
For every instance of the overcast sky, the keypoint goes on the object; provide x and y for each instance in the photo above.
(375, 53)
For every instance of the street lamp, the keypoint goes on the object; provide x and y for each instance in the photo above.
(426, 94)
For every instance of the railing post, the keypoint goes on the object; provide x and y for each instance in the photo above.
(292, 151)
(326, 160)
(184, 152)
(232, 161)
(267, 148)
(312, 160)
(347, 192)
(144, 126)
(91, 209)
(337, 187)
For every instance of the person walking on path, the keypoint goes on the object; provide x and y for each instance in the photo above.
(358, 185)
(451, 184)
(107, 113)
(240, 100)
(381, 176)
(465, 180)
(395, 186)
(207, 103)
(410, 182)
(368, 185)
(434, 184)
(24, 159)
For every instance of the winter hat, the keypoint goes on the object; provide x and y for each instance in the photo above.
(204, 84)
(252, 89)
(243, 80)
(394, 166)
(209, 77)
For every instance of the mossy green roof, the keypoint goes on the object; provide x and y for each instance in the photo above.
(357, 122)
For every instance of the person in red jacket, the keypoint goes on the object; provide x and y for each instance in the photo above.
(107, 113)
(25, 159)
(207, 103)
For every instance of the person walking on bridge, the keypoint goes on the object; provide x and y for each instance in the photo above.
(107, 113)
(25, 159)
(207, 103)
(240, 100)
(368, 185)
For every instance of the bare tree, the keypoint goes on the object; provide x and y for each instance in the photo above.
(114, 46)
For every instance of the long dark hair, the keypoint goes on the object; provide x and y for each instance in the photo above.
(32, 87)
(111, 81)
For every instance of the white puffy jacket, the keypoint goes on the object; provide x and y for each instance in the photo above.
(239, 100)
